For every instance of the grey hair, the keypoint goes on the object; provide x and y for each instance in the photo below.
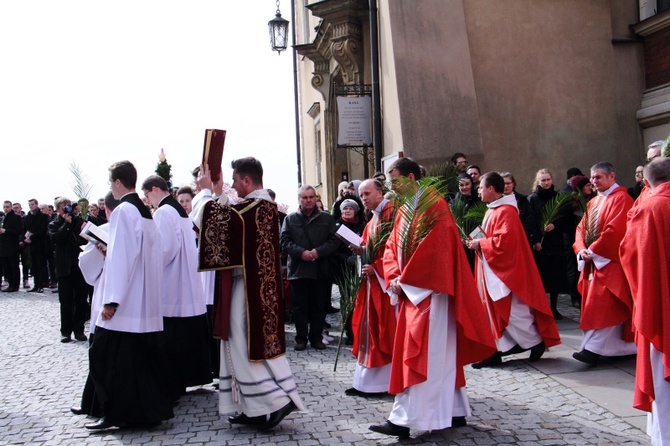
(304, 188)
(605, 166)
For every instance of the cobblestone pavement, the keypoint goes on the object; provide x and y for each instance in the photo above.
(553, 401)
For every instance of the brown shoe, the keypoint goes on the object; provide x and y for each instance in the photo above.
(318, 345)
(300, 346)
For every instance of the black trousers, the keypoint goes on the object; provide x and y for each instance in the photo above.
(308, 298)
(10, 268)
(39, 267)
(74, 309)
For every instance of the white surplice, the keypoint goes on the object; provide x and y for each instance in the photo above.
(91, 264)
(182, 286)
(133, 273)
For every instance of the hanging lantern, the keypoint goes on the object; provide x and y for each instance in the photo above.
(278, 32)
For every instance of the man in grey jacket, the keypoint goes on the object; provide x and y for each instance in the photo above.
(308, 239)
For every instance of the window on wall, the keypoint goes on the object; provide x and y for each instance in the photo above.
(317, 154)
(649, 8)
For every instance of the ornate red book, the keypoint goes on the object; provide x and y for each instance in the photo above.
(212, 153)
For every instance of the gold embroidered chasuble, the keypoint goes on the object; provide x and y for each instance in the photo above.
(246, 236)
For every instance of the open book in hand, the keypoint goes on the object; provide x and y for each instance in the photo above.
(348, 236)
(477, 233)
(94, 234)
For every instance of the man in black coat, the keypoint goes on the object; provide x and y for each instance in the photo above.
(36, 224)
(10, 233)
(72, 288)
(308, 238)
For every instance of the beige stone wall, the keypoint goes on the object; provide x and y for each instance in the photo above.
(518, 85)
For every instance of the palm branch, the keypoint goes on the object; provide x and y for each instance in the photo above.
(554, 209)
(467, 217)
(348, 283)
(414, 202)
(666, 148)
(377, 241)
(447, 173)
(81, 186)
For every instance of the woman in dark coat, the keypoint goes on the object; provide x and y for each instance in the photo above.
(547, 242)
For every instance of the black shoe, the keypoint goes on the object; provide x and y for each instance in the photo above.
(332, 310)
(249, 421)
(537, 351)
(458, 422)
(65, 339)
(587, 357)
(81, 337)
(300, 346)
(277, 416)
(35, 290)
(353, 392)
(492, 361)
(319, 345)
(576, 301)
(10, 290)
(389, 428)
(103, 423)
(349, 341)
(557, 316)
(327, 325)
(77, 410)
(513, 351)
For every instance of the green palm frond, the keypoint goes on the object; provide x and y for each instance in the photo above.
(467, 217)
(666, 148)
(377, 241)
(348, 283)
(447, 173)
(415, 198)
(555, 208)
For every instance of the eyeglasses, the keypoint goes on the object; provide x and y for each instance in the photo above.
(461, 162)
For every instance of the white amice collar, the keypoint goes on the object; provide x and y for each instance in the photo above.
(608, 191)
(509, 200)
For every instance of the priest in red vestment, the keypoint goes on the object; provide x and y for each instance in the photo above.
(645, 257)
(439, 314)
(606, 300)
(508, 279)
(373, 322)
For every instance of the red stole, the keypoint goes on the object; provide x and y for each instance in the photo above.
(246, 235)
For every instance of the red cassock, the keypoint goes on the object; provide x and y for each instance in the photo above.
(645, 257)
(606, 296)
(438, 264)
(508, 254)
(375, 316)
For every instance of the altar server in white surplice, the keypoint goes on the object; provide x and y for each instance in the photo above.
(92, 264)
(128, 359)
(184, 310)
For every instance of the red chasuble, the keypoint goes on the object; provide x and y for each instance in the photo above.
(373, 321)
(606, 298)
(246, 235)
(508, 254)
(645, 257)
(438, 264)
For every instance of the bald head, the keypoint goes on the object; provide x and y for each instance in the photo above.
(371, 192)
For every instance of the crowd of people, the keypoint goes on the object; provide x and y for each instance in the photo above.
(188, 286)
